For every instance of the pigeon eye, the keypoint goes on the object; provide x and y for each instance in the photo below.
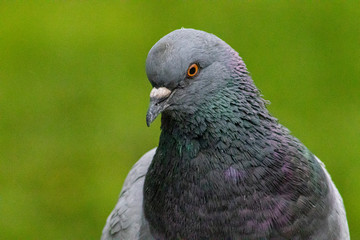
(192, 70)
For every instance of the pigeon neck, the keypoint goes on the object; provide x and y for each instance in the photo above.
(228, 116)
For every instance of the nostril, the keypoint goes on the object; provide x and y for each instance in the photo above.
(159, 93)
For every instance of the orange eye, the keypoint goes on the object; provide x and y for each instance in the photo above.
(192, 70)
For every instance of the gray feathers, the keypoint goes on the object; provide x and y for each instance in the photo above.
(170, 57)
(224, 168)
(127, 221)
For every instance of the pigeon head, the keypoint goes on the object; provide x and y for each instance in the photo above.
(186, 68)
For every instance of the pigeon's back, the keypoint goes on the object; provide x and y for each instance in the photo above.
(126, 221)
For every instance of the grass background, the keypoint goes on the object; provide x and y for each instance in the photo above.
(74, 93)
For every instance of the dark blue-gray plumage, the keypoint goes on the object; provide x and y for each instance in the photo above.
(224, 168)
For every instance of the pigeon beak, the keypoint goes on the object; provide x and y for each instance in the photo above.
(158, 103)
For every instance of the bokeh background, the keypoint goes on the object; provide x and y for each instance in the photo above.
(74, 93)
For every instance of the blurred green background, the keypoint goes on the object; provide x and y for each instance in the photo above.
(74, 93)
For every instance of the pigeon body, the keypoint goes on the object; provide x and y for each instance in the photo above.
(225, 168)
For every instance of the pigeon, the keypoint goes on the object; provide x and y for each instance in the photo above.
(224, 168)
